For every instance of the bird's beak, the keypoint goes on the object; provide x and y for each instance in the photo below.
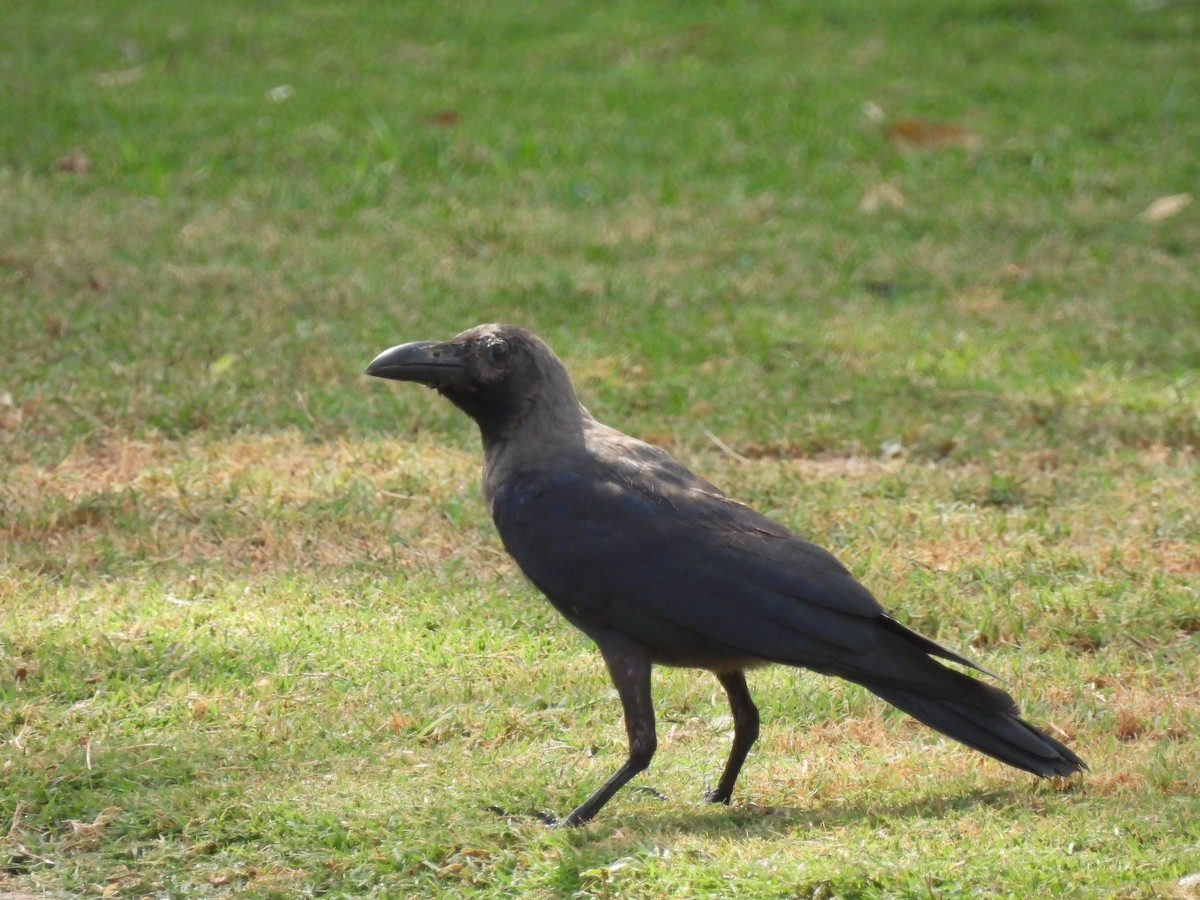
(425, 362)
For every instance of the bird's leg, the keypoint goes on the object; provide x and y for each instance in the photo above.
(745, 733)
(629, 667)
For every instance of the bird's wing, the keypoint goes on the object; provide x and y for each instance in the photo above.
(660, 555)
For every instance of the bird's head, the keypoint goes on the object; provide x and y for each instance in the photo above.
(496, 374)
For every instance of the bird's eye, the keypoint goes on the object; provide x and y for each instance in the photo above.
(497, 353)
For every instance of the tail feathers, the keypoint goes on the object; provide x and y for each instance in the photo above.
(998, 732)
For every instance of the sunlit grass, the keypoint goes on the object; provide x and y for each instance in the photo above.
(337, 654)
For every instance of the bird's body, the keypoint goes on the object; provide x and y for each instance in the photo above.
(657, 565)
(672, 532)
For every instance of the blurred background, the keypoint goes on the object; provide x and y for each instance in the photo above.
(807, 228)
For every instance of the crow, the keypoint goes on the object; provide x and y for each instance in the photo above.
(658, 566)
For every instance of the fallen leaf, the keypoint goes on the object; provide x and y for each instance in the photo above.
(1165, 207)
(222, 366)
(120, 77)
(86, 835)
(874, 112)
(75, 161)
(55, 325)
(443, 117)
(930, 134)
(398, 723)
(881, 196)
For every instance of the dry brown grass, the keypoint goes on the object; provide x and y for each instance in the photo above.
(255, 502)
(249, 504)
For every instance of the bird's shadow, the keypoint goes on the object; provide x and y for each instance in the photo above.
(753, 820)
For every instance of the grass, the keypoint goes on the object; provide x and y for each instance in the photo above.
(256, 633)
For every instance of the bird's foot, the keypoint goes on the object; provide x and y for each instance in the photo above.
(577, 817)
(653, 792)
(544, 817)
(716, 795)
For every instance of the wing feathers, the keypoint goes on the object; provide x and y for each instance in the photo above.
(608, 554)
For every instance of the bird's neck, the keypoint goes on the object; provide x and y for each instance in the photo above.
(543, 438)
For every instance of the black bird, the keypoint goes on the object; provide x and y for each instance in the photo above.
(656, 565)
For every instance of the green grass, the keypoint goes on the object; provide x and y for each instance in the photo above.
(256, 633)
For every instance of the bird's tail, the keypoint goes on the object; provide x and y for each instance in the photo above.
(901, 670)
(999, 732)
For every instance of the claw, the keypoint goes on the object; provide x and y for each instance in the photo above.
(718, 796)
(544, 817)
(653, 792)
